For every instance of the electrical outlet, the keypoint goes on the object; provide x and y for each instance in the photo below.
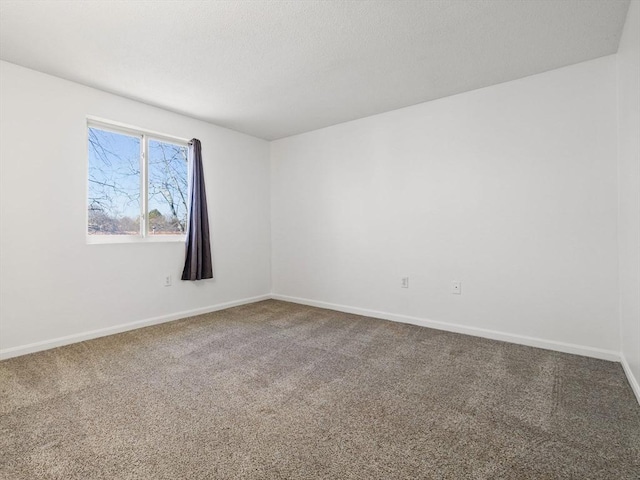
(167, 280)
(456, 287)
(404, 282)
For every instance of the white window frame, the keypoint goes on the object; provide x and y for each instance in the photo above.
(145, 136)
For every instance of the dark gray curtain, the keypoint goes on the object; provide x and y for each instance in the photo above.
(197, 265)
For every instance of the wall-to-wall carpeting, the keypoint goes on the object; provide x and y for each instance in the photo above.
(276, 390)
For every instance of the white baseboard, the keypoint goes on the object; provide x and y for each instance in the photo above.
(633, 381)
(452, 327)
(102, 332)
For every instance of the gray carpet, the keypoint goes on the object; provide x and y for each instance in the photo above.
(275, 390)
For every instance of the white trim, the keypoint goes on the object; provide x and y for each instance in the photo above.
(134, 131)
(102, 332)
(144, 188)
(633, 381)
(107, 239)
(452, 327)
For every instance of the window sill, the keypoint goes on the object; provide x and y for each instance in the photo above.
(109, 239)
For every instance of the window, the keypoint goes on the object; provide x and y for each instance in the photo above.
(137, 185)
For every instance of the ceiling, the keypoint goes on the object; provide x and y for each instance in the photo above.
(277, 68)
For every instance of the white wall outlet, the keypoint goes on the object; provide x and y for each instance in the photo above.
(167, 280)
(404, 282)
(456, 287)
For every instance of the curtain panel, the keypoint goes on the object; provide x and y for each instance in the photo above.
(198, 264)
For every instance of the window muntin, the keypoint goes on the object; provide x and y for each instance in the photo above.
(137, 185)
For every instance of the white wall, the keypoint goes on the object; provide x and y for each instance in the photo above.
(629, 181)
(510, 189)
(53, 284)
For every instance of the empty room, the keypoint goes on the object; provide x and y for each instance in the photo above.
(323, 239)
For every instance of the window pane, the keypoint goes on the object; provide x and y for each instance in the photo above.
(114, 183)
(167, 188)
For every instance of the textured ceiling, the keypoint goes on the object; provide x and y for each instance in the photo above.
(277, 68)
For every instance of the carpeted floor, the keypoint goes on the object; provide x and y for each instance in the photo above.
(275, 390)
